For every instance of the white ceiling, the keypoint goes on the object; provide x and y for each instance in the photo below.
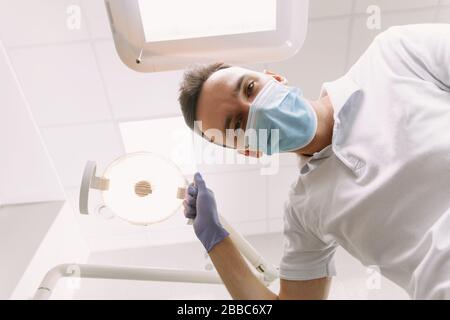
(79, 91)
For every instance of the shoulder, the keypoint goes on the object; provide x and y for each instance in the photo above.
(414, 33)
(387, 48)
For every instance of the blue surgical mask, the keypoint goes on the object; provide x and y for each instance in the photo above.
(284, 108)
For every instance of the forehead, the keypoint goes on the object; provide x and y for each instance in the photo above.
(225, 77)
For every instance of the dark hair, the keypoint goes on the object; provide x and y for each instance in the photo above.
(191, 87)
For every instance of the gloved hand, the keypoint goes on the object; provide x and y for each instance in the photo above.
(200, 205)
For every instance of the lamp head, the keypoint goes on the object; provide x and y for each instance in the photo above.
(141, 188)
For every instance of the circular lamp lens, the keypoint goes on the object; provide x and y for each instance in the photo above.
(144, 188)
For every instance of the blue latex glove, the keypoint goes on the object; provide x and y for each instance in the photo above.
(200, 205)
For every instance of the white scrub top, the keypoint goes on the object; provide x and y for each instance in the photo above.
(382, 189)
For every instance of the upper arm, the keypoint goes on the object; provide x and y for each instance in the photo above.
(316, 289)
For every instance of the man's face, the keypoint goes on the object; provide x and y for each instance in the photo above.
(225, 100)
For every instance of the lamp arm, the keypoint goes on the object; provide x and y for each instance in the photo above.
(77, 271)
(268, 271)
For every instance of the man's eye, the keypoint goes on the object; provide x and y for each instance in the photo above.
(250, 87)
(238, 125)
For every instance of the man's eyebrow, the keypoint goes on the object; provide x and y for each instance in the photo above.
(238, 86)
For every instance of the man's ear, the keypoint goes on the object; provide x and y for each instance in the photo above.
(249, 153)
(276, 76)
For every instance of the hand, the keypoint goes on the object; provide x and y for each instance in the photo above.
(200, 205)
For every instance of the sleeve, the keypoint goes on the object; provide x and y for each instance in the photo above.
(430, 280)
(423, 49)
(305, 257)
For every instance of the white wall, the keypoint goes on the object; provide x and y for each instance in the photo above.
(27, 174)
(37, 229)
(22, 230)
(63, 243)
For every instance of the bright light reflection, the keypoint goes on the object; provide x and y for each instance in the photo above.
(181, 19)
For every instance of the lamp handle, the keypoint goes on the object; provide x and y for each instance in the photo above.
(88, 174)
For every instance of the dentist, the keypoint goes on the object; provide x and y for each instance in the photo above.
(375, 171)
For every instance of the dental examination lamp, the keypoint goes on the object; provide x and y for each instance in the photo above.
(144, 188)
